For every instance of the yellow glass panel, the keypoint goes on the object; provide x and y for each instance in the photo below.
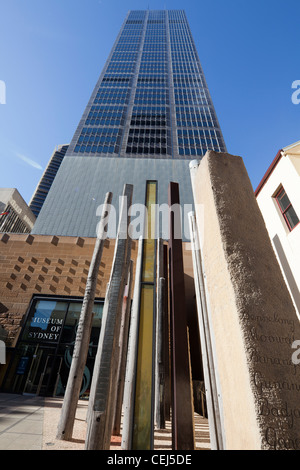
(143, 396)
(149, 243)
(143, 421)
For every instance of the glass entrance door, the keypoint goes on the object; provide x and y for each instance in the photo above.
(39, 371)
(30, 369)
(50, 377)
(31, 380)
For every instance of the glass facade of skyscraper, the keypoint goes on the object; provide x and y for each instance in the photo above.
(148, 115)
(152, 98)
(47, 179)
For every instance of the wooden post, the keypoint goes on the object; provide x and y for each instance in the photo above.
(182, 401)
(123, 352)
(66, 423)
(160, 417)
(103, 399)
(129, 386)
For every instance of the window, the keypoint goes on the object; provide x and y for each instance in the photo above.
(286, 209)
(42, 358)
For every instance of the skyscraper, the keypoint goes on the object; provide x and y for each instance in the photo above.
(149, 114)
(47, 179)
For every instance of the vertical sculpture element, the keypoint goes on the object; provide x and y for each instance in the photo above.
(182, 400)
(129, 386)
(160, 369)
(103, 390)
(123, 349)
(211, 389)
(66, 423)
(162, 339)
(166, 341)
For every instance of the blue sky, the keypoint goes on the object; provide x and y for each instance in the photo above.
(53, 52)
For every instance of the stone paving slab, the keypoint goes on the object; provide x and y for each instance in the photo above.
(30, 423)
(21, 422)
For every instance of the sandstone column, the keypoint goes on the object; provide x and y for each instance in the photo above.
(252, 318)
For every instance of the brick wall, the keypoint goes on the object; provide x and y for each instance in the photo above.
(48, 265)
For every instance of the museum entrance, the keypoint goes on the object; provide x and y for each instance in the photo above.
(42, 358)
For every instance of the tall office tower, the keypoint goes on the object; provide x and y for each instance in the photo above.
(47, 179)
(149, 114)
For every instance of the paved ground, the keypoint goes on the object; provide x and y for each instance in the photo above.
(30, 423)
(21, 422)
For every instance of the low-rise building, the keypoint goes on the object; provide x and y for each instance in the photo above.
(278, 196)
(15, 215)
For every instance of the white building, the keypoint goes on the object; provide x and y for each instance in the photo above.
(278, 197)
(15, 215)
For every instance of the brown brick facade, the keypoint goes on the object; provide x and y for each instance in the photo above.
(48, 265)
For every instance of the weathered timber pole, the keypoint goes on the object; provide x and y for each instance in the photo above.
(123, 353)
(104, 391)
(130, 376)
(68, 412)
(182, 401)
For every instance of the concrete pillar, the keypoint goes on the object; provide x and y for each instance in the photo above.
(253, 320)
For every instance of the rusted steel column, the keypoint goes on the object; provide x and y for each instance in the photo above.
(159, 347)
(159, 372)
(182, 400)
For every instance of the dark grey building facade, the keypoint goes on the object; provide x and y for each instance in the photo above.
(149, 114)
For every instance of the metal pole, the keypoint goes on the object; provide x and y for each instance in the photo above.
(159, 419)
(213, 408)
(160, 362)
